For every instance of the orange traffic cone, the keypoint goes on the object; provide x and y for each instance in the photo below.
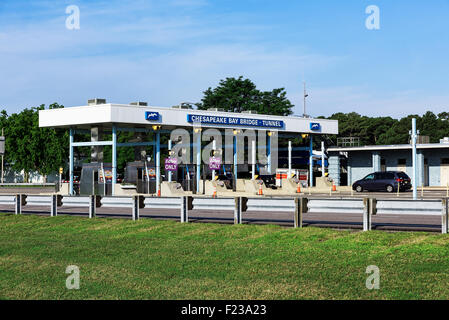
(159, 192)
(334, 187)
(260, 193)
(298, 190)
(214, 195)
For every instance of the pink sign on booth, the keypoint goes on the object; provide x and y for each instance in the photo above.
(214, 163)
(171, 164)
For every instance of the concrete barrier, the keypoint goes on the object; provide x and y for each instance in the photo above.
(252, 187)
(289, 186)
(171, 189)
(29, 188)
(218, 186)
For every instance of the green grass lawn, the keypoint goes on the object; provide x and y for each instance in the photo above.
(147, 259)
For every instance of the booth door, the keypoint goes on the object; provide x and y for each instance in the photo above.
(444, 172)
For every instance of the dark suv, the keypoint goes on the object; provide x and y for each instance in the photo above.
(383, 181)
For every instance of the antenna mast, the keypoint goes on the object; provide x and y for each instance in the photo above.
(305, 96)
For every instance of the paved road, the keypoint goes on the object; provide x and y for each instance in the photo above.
(394, 222)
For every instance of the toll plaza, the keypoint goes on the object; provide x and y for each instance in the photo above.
(180, 150)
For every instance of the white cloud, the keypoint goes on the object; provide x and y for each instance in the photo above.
(162, 60)
(145, 50)
(164, 79)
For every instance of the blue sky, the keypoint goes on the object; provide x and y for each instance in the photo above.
(167, 52)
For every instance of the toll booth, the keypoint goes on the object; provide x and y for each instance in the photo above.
(96, 179)
(186, 176)
(106, 123)
(142, 175)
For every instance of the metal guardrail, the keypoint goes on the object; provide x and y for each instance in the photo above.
(335, 205)
(76, 201)
(135, 203)
(116, 202)
(7, 200)
(271, 204)
(163, 203)
(214, 203)
(414, 207)
(20, 200)
(34, 200)
(298, 205)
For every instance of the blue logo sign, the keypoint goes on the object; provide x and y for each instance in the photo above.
(315, 126)
(194, 118)
(151, 115)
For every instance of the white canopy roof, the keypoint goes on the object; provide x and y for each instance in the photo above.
(106, 115)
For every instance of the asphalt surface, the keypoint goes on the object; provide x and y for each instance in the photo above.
(393, 222)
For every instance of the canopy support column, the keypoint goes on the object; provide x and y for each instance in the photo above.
(311, 162)
(253, 157)
(169, 154)
(158, 162)
(235, 157)
(269, 153)
(289, 159)
(198, 161)
(323, 167)
(114, 158)
(71, 161)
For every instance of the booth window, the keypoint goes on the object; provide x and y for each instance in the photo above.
(402, 161)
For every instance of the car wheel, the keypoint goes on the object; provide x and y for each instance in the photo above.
(359, 189)
(390, 188)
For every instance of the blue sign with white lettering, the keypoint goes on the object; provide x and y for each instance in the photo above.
(151, 115)
(194, 118)
(314, 126)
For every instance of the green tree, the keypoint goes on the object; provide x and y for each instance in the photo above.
(237, 95)
(31, 148)
(386, 130)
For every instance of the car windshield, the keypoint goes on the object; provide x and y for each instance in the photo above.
(369, 177)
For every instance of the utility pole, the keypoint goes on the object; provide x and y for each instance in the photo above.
(415, 173)
(305, 96)
(2, 139)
